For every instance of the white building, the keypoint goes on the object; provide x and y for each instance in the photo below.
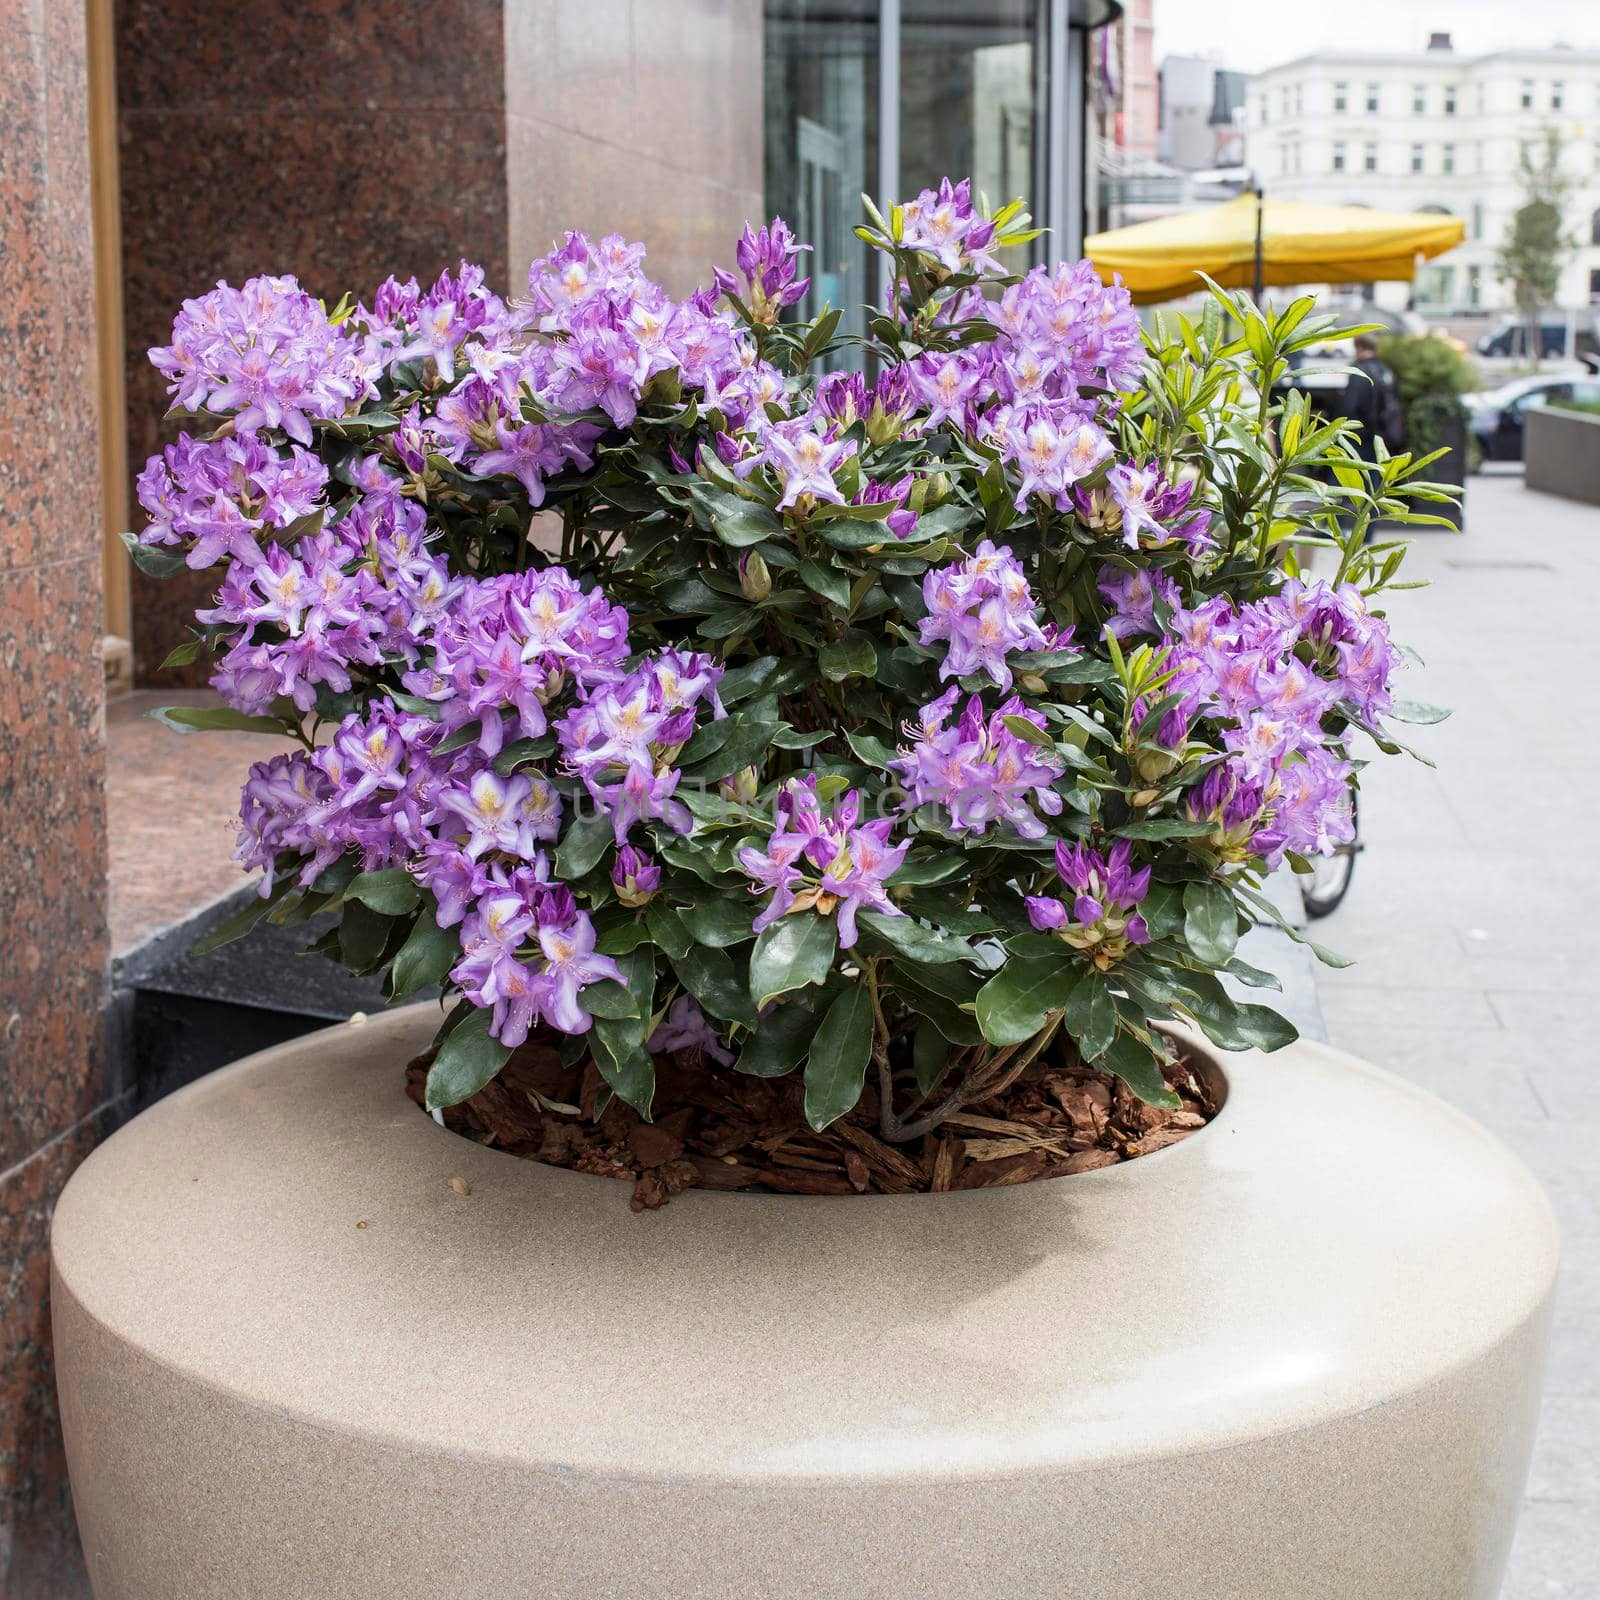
(1436, 131)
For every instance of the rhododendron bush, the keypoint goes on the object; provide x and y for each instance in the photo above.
(675, 675)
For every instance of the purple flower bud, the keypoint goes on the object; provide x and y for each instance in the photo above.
(635, 877)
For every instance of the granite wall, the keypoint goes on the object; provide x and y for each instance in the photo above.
(636, 116)
(332, 139)
(54, 1099)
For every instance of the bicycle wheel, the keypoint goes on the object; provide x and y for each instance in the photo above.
(1329, 882)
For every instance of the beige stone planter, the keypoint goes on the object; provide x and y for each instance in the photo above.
(1296, 1356)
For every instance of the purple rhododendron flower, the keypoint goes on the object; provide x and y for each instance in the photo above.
(982, 610)
(823, 863)
(1102, 919)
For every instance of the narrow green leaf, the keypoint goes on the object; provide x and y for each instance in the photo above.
(1136, 1065)
(206, 719)
(907, 937)
(930, 1055)
(244, 919)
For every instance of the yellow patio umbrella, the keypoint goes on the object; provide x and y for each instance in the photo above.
(1250, 242)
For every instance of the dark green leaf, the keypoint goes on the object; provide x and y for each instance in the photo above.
(424, 959)
(181, 655)
(667, 928)
(836, 1066)
(870, 748)
(849, 657)
(1091, 1014)
(907, 937)
(156, 563)
(745, 523)
(720, 922)
(203, 719)
(1013, 1004)
(828, 582)
(792, 953)
(780, 1041)
(467, 1059)
(392, 891)
(244, 919)
(585, 843)
(721, 989)
(1210, 922)
(930, 1055)
(608, 999)
(1135, 1063)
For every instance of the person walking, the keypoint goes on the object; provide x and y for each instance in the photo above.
(1372, 398)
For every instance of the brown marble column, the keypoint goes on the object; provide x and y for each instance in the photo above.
(53, 1094)
(332, 139)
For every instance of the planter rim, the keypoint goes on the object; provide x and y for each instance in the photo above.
(1334, 1238)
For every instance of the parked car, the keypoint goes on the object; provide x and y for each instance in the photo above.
(1511, 339)
(1499, 417)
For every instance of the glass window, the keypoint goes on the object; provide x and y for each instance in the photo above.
(1474, 286)
(821, 138)
(1419, 98)
(1338, 156)
(1418, 158)
(1527, 94)
(1477, 219)
(1447, 158)
(1341, 96)
(1372, 97)
(1369, 158)
(1449, 99)
(1558, 95)
(1261, 111)
(967, 97)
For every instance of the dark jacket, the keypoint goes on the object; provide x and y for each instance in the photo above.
(1371, 399)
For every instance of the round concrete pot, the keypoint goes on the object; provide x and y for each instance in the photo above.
(1296, 1355)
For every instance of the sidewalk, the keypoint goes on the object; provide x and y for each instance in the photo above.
(1475, 918)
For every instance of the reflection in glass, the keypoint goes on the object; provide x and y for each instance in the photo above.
(967, 95)
(821, 139)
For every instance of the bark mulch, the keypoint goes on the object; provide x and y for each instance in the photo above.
(717, 1129)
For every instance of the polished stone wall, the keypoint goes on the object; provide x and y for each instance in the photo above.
(54, 1099)
(636, 116)
(333, 139)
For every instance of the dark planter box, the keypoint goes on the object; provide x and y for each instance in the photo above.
(1561, 454)
(1451, 469)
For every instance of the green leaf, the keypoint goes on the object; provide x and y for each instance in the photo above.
(1135, 1063)
(608, 999)
(1417, 712)
(780, 1042)
(747, 525)
(720, 988)
(206, 719)
(930, 1055)
(1210, 922)
(467, 1059)
(929, 869)
(907, 937)
(924, 989)
(424, 959)
(392, 891)
(1163, 828)
(1013, 1004)
(151, 560)
(1029, 732)
(667, 928)
(618, 1043)
(828, 582)
(585, 843)
(720, 922)
(363, 933)
(792, 953)
(1092, 1014)
(181, 655)
(849, 657)
(745, 745)
(244, 919)
(836, 1067)
(870, 748)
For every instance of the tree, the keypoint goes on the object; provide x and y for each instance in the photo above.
(1535, 247)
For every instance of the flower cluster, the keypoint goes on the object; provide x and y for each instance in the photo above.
(1137, 502)
(622, 741)
(266, 354)
(978, 769)
(822, 863)
(983, 610)
(1103, 919)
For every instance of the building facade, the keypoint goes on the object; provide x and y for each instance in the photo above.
(1437, 131)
